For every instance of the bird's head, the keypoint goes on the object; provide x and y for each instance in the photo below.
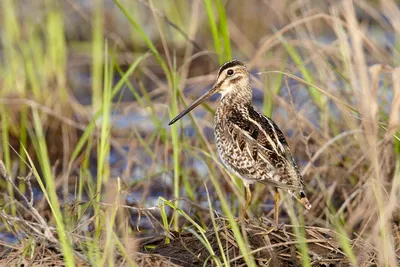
(231, 75)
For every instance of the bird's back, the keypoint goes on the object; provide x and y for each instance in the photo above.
(252, 145)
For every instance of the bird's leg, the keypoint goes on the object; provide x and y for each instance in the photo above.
(248, 200)
(277, 198)
(275, 226)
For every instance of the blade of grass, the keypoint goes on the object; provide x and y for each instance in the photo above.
(124, 253)
(92, 125)
(50, 190)
(317, 97)
(344, 241)
(97, 53)
(224, 30)
(164, 218)
(111, 215)
(105, 132)
(273, 90)
(215, 227)
(147, 40)
(227, 210)
(6, 151)
(56, 50)
(299, 231)
(200, 229)
(175, 146)
(212, 21)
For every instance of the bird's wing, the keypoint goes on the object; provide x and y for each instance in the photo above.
(264, 142)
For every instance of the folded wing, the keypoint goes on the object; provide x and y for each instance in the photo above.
(260, 139)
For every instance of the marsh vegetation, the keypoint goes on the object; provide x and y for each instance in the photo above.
(91, 174)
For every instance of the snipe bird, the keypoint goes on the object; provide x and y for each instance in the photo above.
(250, 144)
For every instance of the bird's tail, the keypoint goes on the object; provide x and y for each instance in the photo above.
(295, 191)
(304, 200)
(301, 197)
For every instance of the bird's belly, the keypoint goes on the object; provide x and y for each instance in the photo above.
(227, 161)
(241, 163)
(235, 160)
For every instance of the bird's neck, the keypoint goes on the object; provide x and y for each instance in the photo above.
(239, 95)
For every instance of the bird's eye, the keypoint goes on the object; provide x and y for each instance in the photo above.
(230, 72)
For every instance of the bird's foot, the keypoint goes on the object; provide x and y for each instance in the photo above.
(280, 226)
(242, 219)
(272, 227)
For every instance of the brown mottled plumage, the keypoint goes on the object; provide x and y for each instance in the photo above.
(250, 144)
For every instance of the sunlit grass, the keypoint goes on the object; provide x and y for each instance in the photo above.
(97, 54)
(48, 187)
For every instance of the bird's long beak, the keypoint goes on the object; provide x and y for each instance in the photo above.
(195, 104)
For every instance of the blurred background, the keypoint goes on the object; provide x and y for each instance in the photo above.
(87, 89)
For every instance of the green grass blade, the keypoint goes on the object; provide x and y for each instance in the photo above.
(97, 53)
(146, 39)
(216, 228)
(212, 21)
(50, 190)
(318, 98)
(224, 30)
